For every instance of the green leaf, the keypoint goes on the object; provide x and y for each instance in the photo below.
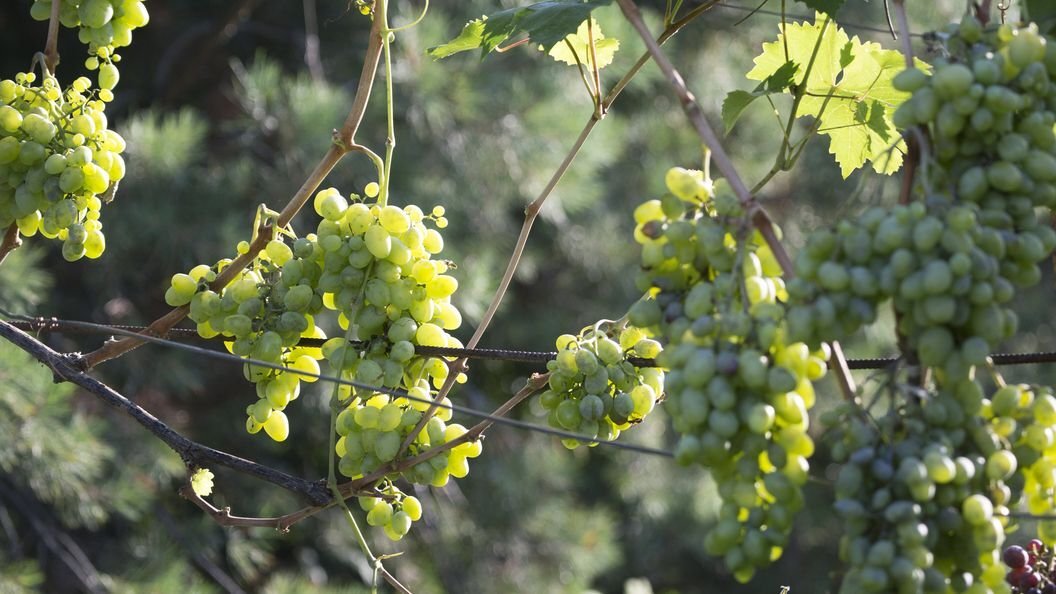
(849, 91)
(847, 55)
(467, 40)
(781, 79)
(829, 7)
(202, 482)
(737, 101)
(735, 104)
(545, 23)
(604, 48)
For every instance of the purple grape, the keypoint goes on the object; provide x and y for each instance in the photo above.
(1015, 557)
(1035, 546)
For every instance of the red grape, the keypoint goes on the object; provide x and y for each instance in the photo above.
(1015, 557)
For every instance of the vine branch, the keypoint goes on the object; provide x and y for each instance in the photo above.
(10, 242)
(532, 211)
(51, 46)
(362, 485)
(759, 217)
(344, 142)
(192, 453)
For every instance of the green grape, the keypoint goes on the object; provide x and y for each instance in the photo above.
(595, 390)
(58, 162)
(737, 391)
(103, 25)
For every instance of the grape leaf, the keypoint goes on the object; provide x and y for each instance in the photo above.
(545, 23)
(849, 91)
(737, 101)
(829, 7)
(604, 48)
(202, 482)
(468, 39)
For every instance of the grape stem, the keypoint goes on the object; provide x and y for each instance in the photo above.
(51, 46)
(758, 215)
(532, 211)
(192, 453)
(344, 143)
(381, 11)
(10, 243)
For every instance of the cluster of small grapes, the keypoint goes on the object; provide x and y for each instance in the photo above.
(373, 265)
(372, 432)
(1024, 417)
(1031, 570)
(378, 272)
(265, 320)
(737, 390)
(58, 162)
(393, 510)
(103, 25)
(924, 507)
(951, 262)
(594, 390)
(949, 275)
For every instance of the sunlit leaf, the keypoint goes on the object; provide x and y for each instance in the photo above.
(604, 48)
(545, 24)
(849, 90)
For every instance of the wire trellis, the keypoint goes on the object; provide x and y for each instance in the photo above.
(41, 324)
(18, 320)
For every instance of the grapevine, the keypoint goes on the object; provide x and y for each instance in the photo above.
(739, 393)
(933, 463)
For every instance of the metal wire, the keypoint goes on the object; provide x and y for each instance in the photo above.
(518, 356)
(360, 385)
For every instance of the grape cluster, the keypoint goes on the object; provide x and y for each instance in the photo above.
(372, 264)
(738, 392)
(393, 510)
(1021, 427)
(58, 162)
(1031, 570)
(265, 320)
(949, 275)
(594, 390)
(372, 431)
(924, 506)
(952, 261)
(103, 25)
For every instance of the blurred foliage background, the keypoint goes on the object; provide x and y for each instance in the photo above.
(225, 106)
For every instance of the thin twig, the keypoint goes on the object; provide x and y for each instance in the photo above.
(10, 243)
(363, 485)
(759, 217)
(344, 142)
(192, 453)
(51, 46)
(903, 28)
(532, 211)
